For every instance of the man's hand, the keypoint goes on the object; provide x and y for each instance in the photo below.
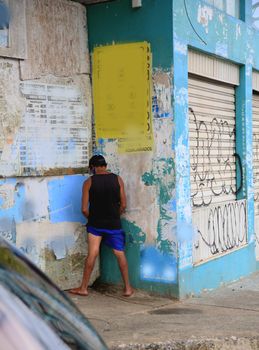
(122, 210)
(86, 213)
(85, 197)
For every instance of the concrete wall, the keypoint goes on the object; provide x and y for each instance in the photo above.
(45, 142)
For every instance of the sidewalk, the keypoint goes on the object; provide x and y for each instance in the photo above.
(224, 319)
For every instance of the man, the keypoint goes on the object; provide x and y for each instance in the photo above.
(103, 201)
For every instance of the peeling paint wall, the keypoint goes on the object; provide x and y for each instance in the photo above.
(42, 217)
(45, 99)
(45, 124)
(45, 112)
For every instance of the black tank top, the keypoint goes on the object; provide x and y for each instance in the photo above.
(104, 202)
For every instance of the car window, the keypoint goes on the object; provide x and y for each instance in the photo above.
(31, 333)
(32, 286)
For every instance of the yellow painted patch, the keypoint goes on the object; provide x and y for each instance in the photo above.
(122, 95)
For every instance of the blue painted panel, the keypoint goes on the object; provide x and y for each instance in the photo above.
(156, 266)
(19, 194)
(65, 199)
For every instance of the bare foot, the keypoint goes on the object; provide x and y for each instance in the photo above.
(128, 292)
(78, 291)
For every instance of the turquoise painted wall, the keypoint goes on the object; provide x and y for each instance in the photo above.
(172, 28)
(117, 22)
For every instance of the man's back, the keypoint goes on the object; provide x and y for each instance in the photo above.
(104, 201)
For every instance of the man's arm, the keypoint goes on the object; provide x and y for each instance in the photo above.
(123, 201)
(85, 197)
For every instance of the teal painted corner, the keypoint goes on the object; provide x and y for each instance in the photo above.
(110, 272)
(117, 22)
(171, 33)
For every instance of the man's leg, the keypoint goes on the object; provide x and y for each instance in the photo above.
(123, 265)
(93, 251)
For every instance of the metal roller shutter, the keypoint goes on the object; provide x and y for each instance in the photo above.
(220, 221)
(213, 68)
(212, 141)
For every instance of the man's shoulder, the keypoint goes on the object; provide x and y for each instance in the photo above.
(88, 181)
(120, 180)
(117, 176)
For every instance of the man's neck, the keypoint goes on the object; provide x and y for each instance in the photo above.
(101, 170)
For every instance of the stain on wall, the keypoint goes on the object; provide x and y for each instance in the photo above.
(162, 102)
(11, 111)
(56, 39)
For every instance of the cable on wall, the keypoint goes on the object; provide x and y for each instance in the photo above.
(189, 19)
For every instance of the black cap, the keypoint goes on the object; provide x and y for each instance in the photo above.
(97, 161)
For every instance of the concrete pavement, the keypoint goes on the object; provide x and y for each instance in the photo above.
(224, 319)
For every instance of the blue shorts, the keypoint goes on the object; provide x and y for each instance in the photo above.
(114, 239)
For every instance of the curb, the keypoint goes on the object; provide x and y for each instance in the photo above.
(196, 344)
